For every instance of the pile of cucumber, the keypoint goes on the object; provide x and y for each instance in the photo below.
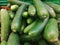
(36, 23)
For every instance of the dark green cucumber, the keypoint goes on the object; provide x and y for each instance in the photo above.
(29, 20)
(11, 14)
(51, 11)
(42, 42)
(56, 7)
(31, 10)
(5, 24)
(51, 31)
(18, 2)
(3, 42)
(41, 10)
(38, 28)
(27, 29)
(27, 43)
(16, 23)
(13, 39)
(14, 7)
(25, 14)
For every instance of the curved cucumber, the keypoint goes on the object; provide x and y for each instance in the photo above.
(41, 10)
(38, 28)
(31, 10)
(13, 39)
(56, 7)
(27, 29)
(5, 24)
(16, 23)
(51, 31)
(51, 11)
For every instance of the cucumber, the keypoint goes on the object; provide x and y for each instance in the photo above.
(31, 10)
(56, 7)
(51, 11)
(25, 14)
(38, 28)
(42, 42)
(16, 23)
(14, 7)
(26, 43)
(5, 24)
(18, 2)
(29, 20)
(27, 29)
(13, 39)
(51, 31)
(3, 42)
(41, 10)
(11, 14)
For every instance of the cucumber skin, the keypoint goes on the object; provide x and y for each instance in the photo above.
(27, 29)
(13, 39)
(51, 11)
(5, 24)
(41, 10)
(37, 29)
(51, 31)
(16, 23)
(3, 43)
(31, 10)
(56, 7)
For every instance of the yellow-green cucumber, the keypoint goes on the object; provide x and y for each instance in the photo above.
(31, 10)
(5, 24)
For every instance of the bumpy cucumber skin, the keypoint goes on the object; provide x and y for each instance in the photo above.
(16, 23)
(51, 11)
(41, 10)
(3, 43)
(38, 28)
(13, 39)
(5, 24)
(31, 10)
(51, 31)
(56, 7)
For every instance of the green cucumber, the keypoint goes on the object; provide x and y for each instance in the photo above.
(16, 23)
(3, 42)
(26, 43)
(51, 11)
(14, 7)
(5, 24)
(27, 29)
(29, 20)
(11, 14)
(42, 42)
(51, 31)
(18, 2)
(56, 7)
(31, 10)
(38, 28)
(25, 14)
(41, 10)
(13, 39)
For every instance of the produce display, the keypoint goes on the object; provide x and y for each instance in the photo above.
(30, 23)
